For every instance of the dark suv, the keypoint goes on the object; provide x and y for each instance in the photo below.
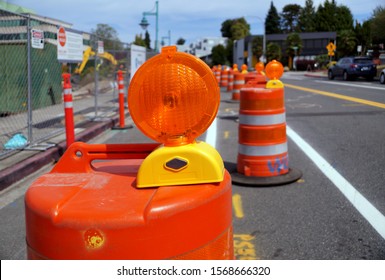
(353, 67)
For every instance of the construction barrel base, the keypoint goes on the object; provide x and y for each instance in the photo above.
(88, 207)
(291, 176)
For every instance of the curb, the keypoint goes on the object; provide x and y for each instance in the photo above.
(15, 173)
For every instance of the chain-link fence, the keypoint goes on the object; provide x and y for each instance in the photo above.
(31, 106)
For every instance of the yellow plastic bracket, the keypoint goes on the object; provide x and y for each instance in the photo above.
(195, 163)
(274, 84)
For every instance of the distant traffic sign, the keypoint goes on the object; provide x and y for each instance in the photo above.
(331, 48)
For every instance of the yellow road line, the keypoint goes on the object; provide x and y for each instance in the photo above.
(339, 96)
(226, 134)
(237, 206)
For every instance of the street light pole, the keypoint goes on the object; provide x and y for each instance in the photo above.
(144, 23)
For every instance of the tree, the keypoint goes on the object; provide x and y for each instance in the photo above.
(363, 35)
(108, 35)
(331, 17)
(377, 25)
(290, 18)
(180, 41)
(306, 17)
(139, 41)
(147, 40)
(273, 51)
(257, 47)
(293, 46)
(234, 29)
(346, 43)
(219, 55)
(272, 21)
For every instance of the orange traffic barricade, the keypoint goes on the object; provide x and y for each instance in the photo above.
(239, 82)
(262, 132)
(224, 77)
(262, 149)
(170, 199)
(230, 85)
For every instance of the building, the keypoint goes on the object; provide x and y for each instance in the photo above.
(203, 47)
(313, 44)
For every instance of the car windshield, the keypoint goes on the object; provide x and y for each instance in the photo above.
(363, 61)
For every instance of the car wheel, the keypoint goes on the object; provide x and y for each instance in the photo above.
(330, 75)
(346, 76)
(382, 78)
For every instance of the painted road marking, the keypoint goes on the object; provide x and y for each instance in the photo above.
(244, 248)
(226, 134)
(367, 210)
(350, 85)
(339, 96)
(237, 206)
(211, 135)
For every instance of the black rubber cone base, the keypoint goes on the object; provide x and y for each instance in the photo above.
(122, 128)
(290, 177)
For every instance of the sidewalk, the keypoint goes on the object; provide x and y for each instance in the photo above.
(20, 163)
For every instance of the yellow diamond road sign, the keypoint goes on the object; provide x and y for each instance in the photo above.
(331, 48)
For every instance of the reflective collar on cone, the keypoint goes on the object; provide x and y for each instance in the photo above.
(262, 150)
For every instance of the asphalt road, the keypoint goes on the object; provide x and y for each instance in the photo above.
(335, 211)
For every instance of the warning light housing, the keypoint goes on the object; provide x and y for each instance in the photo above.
(259, 67)
(173, 98)
(274, 71)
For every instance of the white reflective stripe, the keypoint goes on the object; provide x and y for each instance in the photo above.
(68, 104)
(269, 150)
(262, 120)
(67, 91)
(236, 91)
(121, 90)
(237, 82)
(120, 82)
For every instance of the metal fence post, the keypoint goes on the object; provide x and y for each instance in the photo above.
(29, 80)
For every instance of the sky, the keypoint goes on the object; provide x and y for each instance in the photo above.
(191, 20)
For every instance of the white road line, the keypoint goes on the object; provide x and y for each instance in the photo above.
(211, 135)
(367, 210)
(350, 85)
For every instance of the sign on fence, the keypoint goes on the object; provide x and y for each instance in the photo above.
(37, 39)
(138, 57)
(69, 45)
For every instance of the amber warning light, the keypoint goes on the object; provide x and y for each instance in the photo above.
(173, 98)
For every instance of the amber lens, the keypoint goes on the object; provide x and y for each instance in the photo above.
(274, 70)
(173, 97)
(259, 67)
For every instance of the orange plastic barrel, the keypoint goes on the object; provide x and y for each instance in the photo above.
(217, 74)
(230, 84)
(262, 150)
(88, 207)
(224, 77)
(239, 82)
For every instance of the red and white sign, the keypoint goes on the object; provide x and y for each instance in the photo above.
(37, 39)
(61, 36)
(69, 45)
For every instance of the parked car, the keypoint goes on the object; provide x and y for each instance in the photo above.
(382, 76)
(353, 67)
